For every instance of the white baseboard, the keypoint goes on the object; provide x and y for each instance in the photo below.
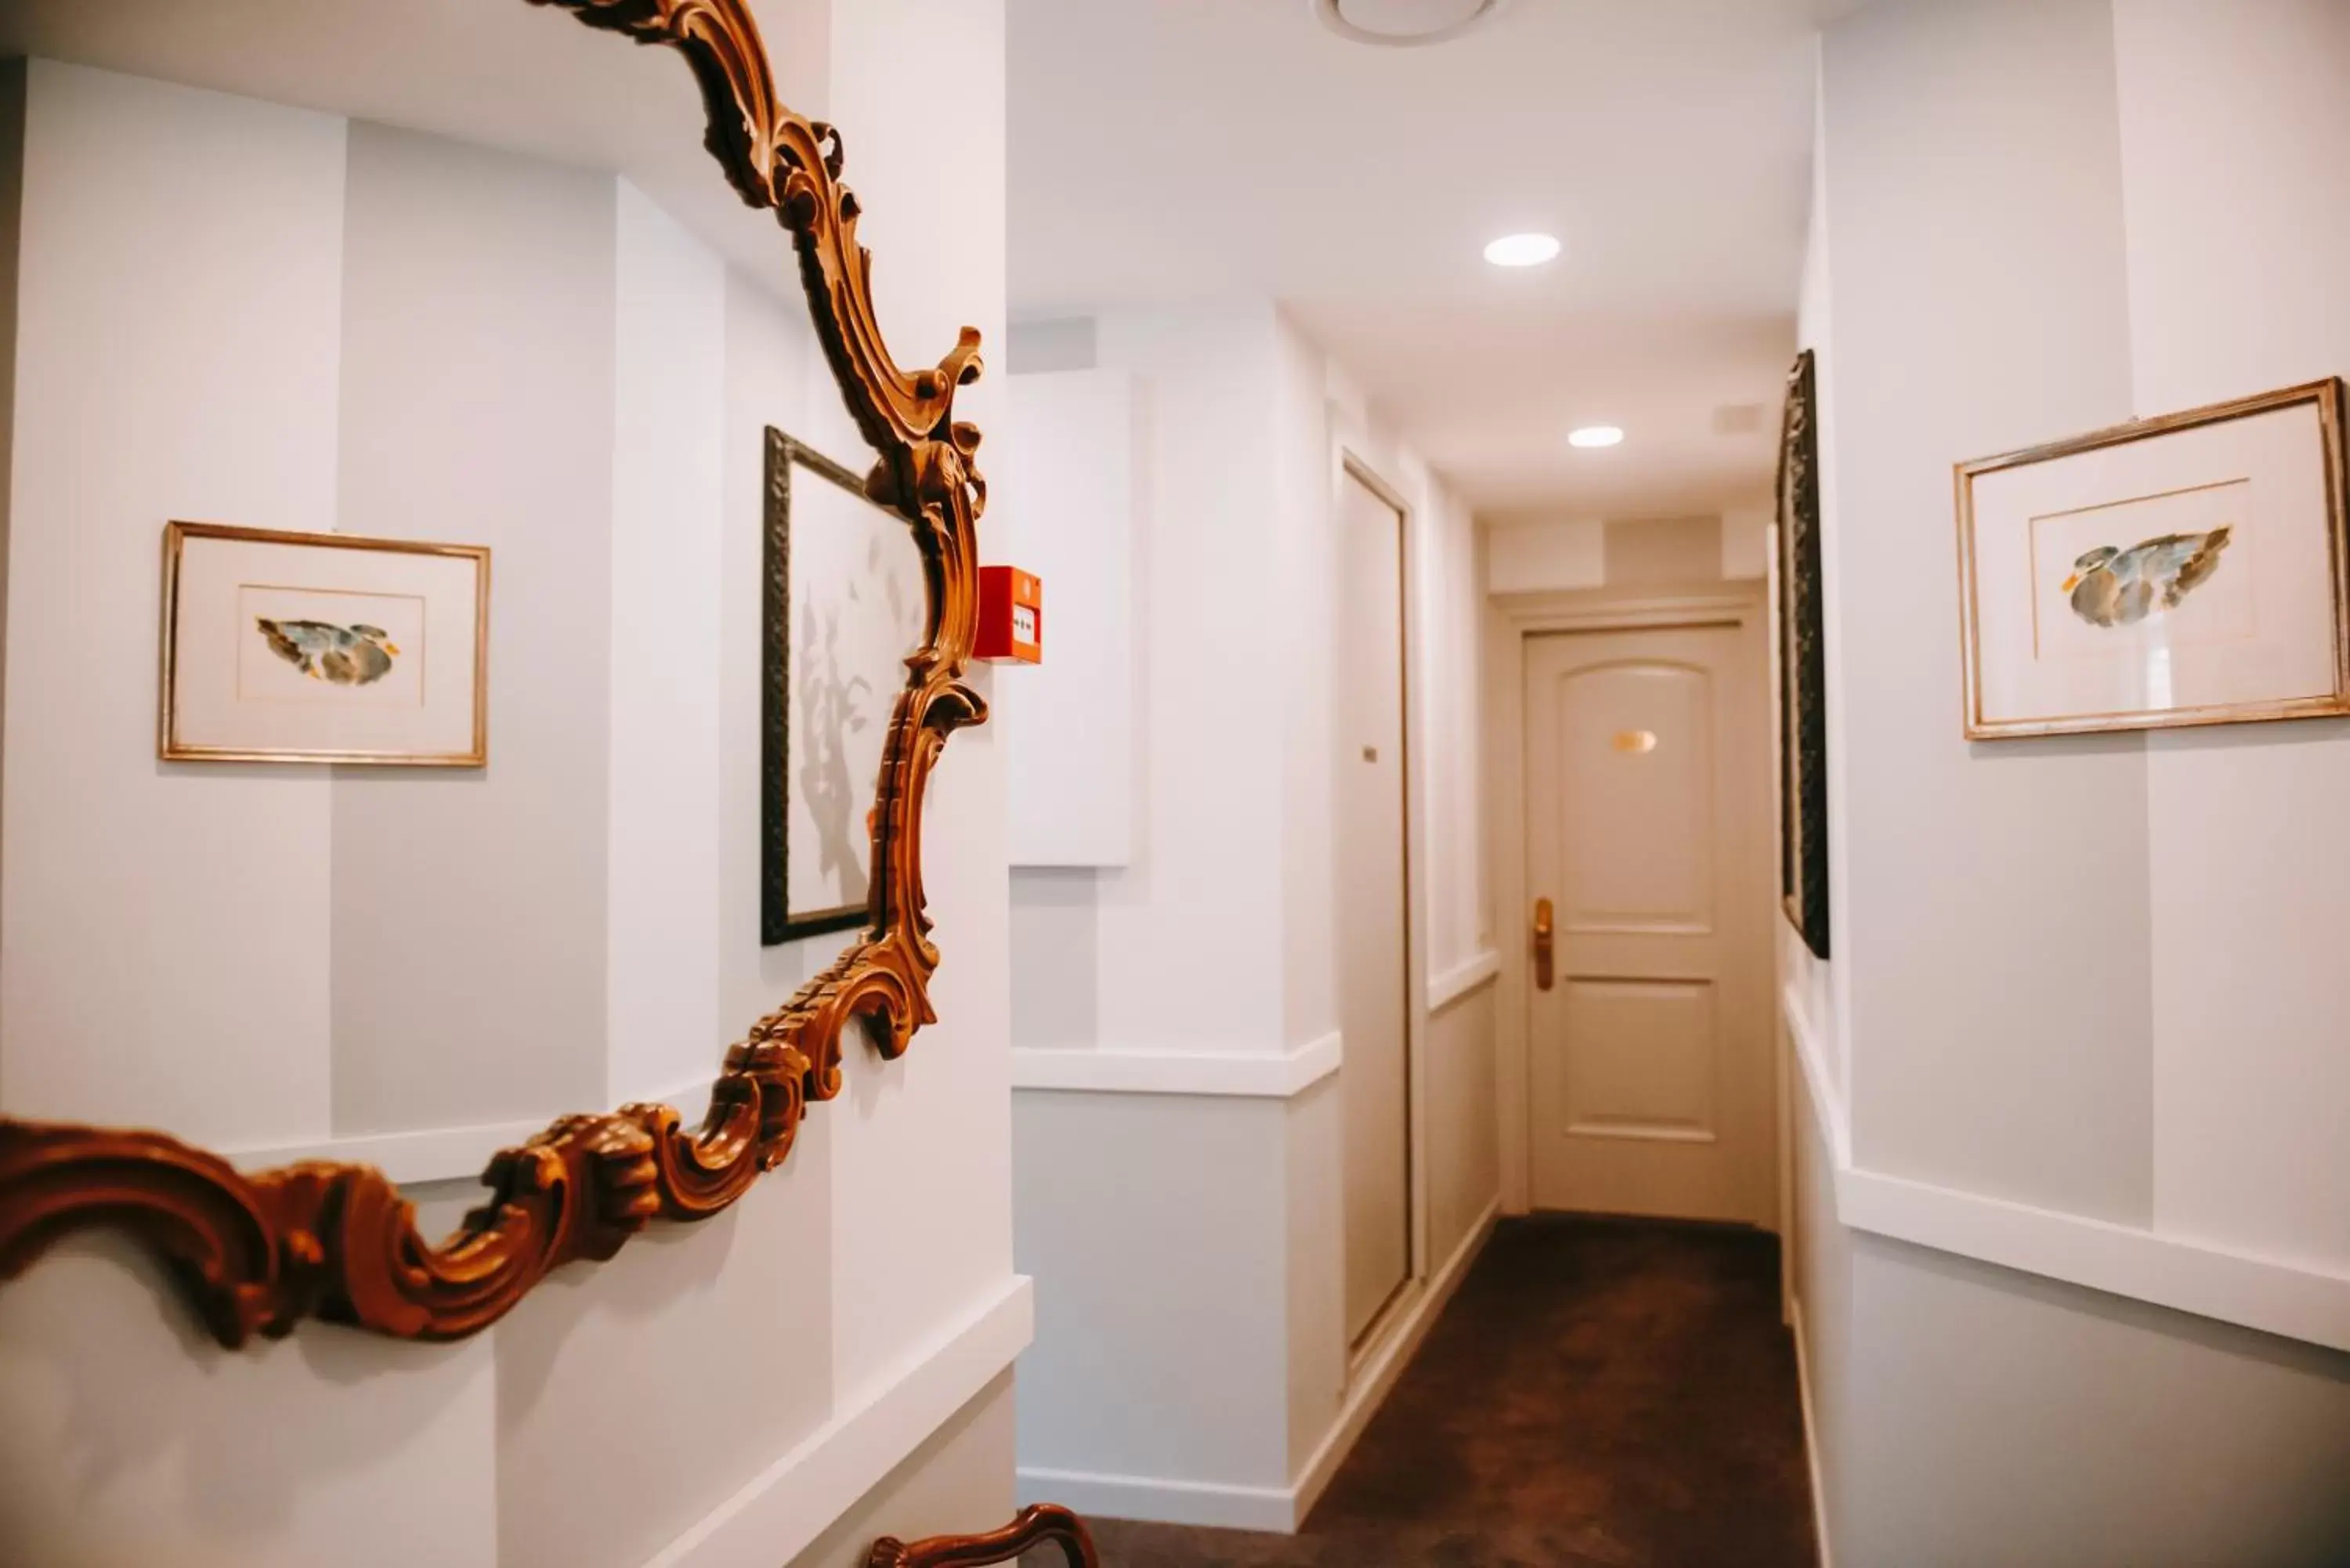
(1811, 1434)
(785, 1507)
(1379, 1371)
(1232, 1506)
(2276, 1297)
(1259, 1074)
(1227, 1505)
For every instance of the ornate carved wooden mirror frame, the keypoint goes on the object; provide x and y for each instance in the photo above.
(260, 1251)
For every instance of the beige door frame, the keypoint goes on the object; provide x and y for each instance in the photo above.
(1352, 457)
(1510, 620)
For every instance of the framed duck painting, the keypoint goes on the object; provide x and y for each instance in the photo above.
(323, 648)
(2183, 570)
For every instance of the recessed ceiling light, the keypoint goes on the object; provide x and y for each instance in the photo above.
(1521, 250)
(1404, 22)
(1595, 435)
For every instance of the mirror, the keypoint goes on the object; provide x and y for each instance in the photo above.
(534, 728)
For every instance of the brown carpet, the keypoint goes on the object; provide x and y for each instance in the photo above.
(1601, 1391)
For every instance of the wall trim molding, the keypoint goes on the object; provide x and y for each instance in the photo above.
(1226, 1505)
(1811, 1435)
(442, 1154)
(1368, 1386)
(1479, 969)
(1232, 1506)
(786, 1506)
(2280, 1298)
(429, 1154)
(1828, 1098)
(1255, 1074)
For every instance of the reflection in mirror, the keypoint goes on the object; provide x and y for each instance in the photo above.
(446, 285)
(845, 607)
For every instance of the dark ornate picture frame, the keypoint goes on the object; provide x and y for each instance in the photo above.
(256, 1252)
(1803, 667)
(778, 921)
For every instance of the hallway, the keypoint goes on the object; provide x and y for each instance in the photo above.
(1600, 1392)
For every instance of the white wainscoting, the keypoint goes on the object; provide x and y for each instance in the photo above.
(1282, 1509)
(797, 1497)
(1263, 1074)
(1811, 1434)
(2276, 1297)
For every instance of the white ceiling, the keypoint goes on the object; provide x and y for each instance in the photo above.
(1165, 151)
(499, 73)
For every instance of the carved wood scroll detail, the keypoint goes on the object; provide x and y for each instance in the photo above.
(1040, 1524)
(258, 1252)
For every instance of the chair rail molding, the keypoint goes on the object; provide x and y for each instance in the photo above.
(1250, 1075)
(1233, 1506)
(423, 1154)
(1480, 969)
(2275, 1297)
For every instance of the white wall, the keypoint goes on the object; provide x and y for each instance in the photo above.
(2037, 220)
(1153, 1226)
(1180, 956)
(1819, 1262)
(1205, 895)
(1069, 736)
(1553, 555)
(189, 906)
(671, 596)
(1204, 971)
(222, 405)
(1464, 1171)
(2235, 145)
(956, 1476)
(1949, 346)
(473, 389)
(1964, 1414)
(1298, 559)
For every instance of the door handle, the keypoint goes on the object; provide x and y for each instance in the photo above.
(1541, 943)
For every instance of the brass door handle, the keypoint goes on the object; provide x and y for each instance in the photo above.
(1541, 943)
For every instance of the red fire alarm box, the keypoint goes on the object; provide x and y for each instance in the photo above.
(1010, 616)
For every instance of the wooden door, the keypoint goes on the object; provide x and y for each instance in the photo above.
(1373, 939)
(1647, 819)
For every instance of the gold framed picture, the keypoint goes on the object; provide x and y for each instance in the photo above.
(323, 648)
(2183, 570)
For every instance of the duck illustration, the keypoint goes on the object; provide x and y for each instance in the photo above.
(354, 655)
(2122, 587)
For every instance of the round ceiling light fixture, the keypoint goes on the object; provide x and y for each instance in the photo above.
(1404, 24)
(1593, 436)
(1522, 250)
